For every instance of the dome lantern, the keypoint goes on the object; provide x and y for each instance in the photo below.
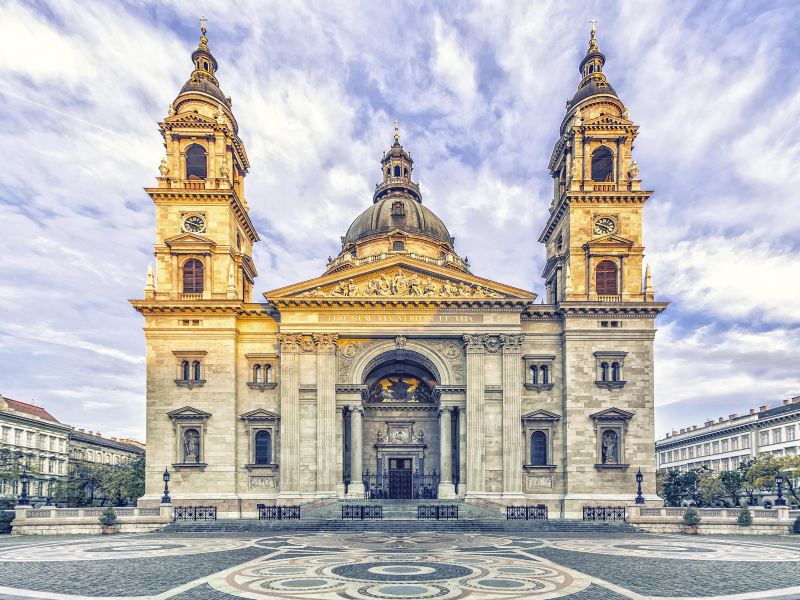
(396, 168)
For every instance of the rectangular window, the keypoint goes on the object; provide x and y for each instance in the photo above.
(6, 433)
(691, 452)
(734, 443)
(715, 447)
(790, 433)
(30, 439)
(764, 438)
(724, 445)
(745, 441)
(776, 436)
(18, 437)
(706, 449)
(723, 464)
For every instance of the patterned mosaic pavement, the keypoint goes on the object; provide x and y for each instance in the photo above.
(371, 566)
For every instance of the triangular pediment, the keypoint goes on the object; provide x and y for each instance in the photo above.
(608, 121)
(400, 279)
(610, 414)
(189, 242)
(188, 412)
(260, 414)
(610, 239)
(189, 119)
(541, 415)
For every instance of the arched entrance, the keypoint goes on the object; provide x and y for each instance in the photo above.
(401, 427)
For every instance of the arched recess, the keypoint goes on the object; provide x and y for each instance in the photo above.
(602, 164)
(386, 351)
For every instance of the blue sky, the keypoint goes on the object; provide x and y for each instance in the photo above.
(479, 89)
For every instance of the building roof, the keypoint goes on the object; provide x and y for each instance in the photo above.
(415, 219)
(98, 440)
(30, 409)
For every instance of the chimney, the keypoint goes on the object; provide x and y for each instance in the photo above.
(91, 432)
(694, 427)
(707, 423)
(762, 408)
(113, 438)
(752, 411)
(81, 430)
(674, 432)
(669, 434)
(721, 419)
(786, 401)
(796, 399)
(683, 431)
(733, 416)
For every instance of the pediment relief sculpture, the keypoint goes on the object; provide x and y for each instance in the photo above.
(404, 284)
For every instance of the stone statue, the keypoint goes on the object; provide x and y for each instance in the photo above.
(384, 287)
(430, 287)
(609, 448)
(219, 118)
(633, 172)
(352, 288)
(415, 288)
(163, 168)
(626, 114)
(317, 291)
(171, 110)
(191, 446)
(578, 117)
(371, 288)
(573, 172)
(224, 171)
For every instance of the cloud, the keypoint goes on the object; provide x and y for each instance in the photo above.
(479, 90)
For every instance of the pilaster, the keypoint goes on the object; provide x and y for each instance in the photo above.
(290, 413)
(512, 414)
(326, 412)
(476, 386)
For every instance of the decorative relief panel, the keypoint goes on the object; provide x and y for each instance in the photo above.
(348, 352)
(538, 482)
(451, 352)
(266, 482)
(405, 285)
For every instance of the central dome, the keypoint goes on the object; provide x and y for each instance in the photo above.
(398, 211)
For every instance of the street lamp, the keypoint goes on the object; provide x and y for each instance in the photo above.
(779, 501)
(24, 479)
(639, 479)
(165, 499)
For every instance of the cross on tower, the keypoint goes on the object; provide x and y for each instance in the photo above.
(593, 22)
(396, 130)
(203, 21)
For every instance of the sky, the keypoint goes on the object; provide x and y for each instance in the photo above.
(479, 89)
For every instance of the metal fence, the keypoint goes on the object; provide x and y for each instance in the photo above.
(437, 511)
(280, 513)
(423, 487)
(527, 513)
(195, 513)
(361, 512)
(603, 513)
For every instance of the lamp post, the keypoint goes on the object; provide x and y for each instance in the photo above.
(779, 501)
(24, 479)
(639, 479)
(165, 499)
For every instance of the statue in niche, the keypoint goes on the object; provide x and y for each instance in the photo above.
(610, 448)
(191, 446)
(224, 171)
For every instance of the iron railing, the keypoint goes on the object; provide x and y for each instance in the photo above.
(437, 511)
(280, 513)
(603, 513)
(195, 513)
(423, 487)
(527, 513)
(361, 512)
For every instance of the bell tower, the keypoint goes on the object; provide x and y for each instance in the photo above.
(204, 235)
(593, 236)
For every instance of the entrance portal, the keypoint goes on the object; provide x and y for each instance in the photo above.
(400, 478)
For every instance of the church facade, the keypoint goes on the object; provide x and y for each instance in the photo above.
(398, 373)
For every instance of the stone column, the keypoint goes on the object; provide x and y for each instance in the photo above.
(339, 452)
(476, 386)
(356, 453)
(446, 488)
(512, 414)
(462, 451)
(290, 414)
(326, 413)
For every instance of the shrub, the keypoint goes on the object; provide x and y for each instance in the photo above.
(796, 527)
(108, 517)
(5, 521)
(691, 518)
(745, 516)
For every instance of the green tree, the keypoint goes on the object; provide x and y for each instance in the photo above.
(732, 482)
(745, 518)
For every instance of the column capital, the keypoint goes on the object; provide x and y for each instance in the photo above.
(325, 342)
(356, 408)
(296, 342)
(474, 343)
(446, 409)
(512, 343)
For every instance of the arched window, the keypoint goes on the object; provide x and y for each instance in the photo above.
(604, 371)
(196, 370)
(263, 447)
(186, 371)
(396, 171)
(388, 172)
(193, 276)
(191, 446)
(257, 374)
(615, 371)
(405, 173)
(534, 374)
(606, 278)
(538, 448)
(545, 375)
(268, 373)
(602, 164)
(205, 65)
(196, 167)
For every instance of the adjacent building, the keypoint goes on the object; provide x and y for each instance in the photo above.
(32, 436)
(723, 444)
(398, 372)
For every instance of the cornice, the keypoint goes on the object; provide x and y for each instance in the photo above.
(342, 302)
(233, 307)
(591, 309)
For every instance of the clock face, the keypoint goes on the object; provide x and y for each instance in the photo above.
(194, 224)
(604, 225)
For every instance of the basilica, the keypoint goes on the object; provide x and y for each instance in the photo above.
(397, 372)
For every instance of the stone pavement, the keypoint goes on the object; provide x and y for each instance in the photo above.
(344, 566)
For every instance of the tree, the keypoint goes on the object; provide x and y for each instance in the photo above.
(745, 518)
(732, 482)
(91, 484)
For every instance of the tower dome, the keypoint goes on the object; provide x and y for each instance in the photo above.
(397, 211)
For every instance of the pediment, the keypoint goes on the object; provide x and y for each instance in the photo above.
(612, 414)
(400, 279)
(189, 119)
(541, 415)
(188, 412)
(608, 121)
(189, 242)
(610, 239)
(260, 414)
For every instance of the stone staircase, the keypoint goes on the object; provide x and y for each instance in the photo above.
(400, 518)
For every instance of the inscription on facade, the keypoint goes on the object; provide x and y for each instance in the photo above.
(392, 318)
